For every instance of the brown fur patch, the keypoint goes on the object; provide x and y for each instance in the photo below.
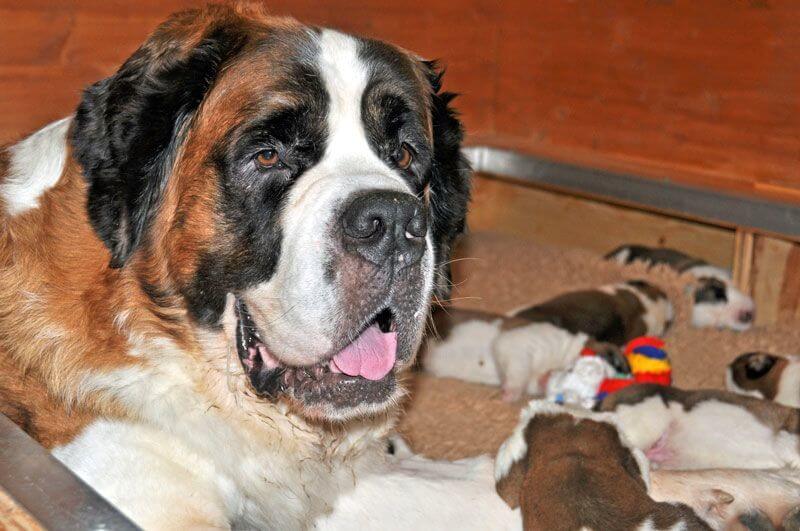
(26, 400)
(610, 318)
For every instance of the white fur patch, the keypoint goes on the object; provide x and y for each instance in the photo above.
(418, 493)
(36, 165)
(712, 434)
(465, 354)
(649, 525)
(621, 257)
(151, 476)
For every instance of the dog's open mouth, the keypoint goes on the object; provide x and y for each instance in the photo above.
(362, 373)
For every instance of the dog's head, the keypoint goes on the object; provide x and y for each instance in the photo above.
(720, 305)
(307, 182)
(756, 374)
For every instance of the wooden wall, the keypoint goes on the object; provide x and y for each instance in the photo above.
(700, 92)
(559, 219)
(764, 266)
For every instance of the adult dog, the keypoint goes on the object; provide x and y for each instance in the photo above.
(212, 275)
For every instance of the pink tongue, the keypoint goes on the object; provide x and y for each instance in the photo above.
(371, 355)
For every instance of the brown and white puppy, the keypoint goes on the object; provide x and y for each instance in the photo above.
(570, 469)
(213, 273)
(508, 351)
(766, 375)
(716, 302)
(680, 429)
(613, 314)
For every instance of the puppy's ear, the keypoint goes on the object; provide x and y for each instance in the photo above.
(127, 126)
(612, 354)
(509, 486)
(450, 178)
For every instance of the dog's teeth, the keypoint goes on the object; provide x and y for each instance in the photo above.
(317, 371)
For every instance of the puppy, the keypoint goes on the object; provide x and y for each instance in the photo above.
(706, 429)
(570, 469)
(613, 314)
(723, 496)
(716, 302)
(508, 351)
(765, 375)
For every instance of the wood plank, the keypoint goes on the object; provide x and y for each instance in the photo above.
(770, 278)
(558, 219)
(708, 99)
(743, 256)
(790, 286)
(708, 96)
(13, 517)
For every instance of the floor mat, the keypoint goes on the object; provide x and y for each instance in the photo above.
(453, 419)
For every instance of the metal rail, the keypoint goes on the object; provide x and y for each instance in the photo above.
(662, 195)
(47, 490)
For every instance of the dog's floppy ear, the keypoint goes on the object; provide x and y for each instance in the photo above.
(449, 180)
(509, 487)
(127, 126)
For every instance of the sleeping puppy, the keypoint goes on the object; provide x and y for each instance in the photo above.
(716, 302)
(509, 351)
(706, 429)
(613, 314)
(765, 375)
(570, 469)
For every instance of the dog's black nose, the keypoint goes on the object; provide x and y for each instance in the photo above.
(746, 316)
(383, 225)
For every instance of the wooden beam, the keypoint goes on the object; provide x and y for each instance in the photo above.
(560, 219)
(743, 253)
(774, 291)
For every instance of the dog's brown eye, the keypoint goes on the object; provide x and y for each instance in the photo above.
(268, 158)
(405, 157)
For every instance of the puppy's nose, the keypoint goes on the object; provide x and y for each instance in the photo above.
(383, 225)
(746, 316)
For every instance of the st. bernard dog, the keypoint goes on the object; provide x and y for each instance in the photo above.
(214, 273)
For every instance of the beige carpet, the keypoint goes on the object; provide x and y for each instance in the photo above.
(452, 419)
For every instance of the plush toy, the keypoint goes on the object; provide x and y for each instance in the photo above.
(591, 378)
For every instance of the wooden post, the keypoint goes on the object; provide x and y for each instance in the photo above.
(743, 251)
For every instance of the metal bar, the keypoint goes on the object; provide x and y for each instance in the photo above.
(47, 490)
(663, 195)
